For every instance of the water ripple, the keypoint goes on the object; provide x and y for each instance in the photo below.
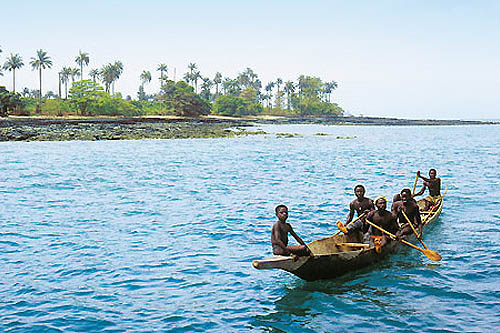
(159, 234)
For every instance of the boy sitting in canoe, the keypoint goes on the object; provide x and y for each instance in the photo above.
(434, 185)
(279, 236)
(360, 205)
(384, 219)
(409, 206)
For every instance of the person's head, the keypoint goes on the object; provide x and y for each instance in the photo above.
(405, 194)
(432, 173)
(381, 202)
(281, 212)
(359, 190)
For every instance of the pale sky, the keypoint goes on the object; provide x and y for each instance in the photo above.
(406, 59)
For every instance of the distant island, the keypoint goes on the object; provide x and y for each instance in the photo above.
(119, 128)
(194, 107)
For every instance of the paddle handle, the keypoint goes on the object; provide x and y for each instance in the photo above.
(414, 185)
(413, 228)
(354, 245)
(393, 236)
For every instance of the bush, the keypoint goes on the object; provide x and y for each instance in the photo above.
(181, 98)
(9, 102)
(54, 107)
(235, 106)
(112, 106)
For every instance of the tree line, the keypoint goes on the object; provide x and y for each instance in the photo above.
(194, 95)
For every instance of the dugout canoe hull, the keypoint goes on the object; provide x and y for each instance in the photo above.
(332, 260)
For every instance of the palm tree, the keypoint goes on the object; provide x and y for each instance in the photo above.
(196, 76)
(41, 61)
(64, 74)
(83, 58)
(13, 62)
(145, 78)
(279, 82)
(94, 73)
(74, 72)
(206, 86)
(289, 90)
(162, 68)
(187, 77)
(117, 70)
(269, 88)
(107, 76)
(217, 80)
(333, 86)
(192, 67)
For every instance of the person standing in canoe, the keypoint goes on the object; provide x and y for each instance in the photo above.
(384, 219)
(360, 205)
(409, 206)
(279, 236)
(434, 185)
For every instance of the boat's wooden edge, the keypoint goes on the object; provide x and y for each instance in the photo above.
(280, 262)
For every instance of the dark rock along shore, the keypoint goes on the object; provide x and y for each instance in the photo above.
(37, 129)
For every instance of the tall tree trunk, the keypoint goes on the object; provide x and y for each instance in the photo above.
(40, 96)
(59, 96)
(14, 80)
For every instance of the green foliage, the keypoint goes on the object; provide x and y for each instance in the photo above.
(9, 101)
(152, 108)
(235, 106)
(313, 106)
(85, 93)
(112, 106)
(181, 98)
(309, 99)
(54, 107)
(141, 95)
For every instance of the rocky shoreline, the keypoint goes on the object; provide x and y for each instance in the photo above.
(55, 129)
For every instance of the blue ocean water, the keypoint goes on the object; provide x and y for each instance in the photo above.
(160, 234)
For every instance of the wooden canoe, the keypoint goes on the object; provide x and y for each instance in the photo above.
(334, 256)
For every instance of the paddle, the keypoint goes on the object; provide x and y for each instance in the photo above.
(414, 230)
(342, 229)
(353, 245)
(414, 186)
(432, 255)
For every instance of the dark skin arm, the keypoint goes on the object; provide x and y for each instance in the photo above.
(424, 178)
(351, 213)
(297, 238)
(422, 190)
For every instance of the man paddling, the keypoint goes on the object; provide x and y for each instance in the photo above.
(359, 205)
(384, 219)
(433, 183)
(279, 236)
(409, 206)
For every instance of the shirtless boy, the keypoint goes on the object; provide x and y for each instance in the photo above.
(383, 218)
(410, 207)
(279, 236)
(434, 185)
(359, 205)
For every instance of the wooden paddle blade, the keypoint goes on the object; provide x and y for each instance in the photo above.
(432, 255)
(341, 227)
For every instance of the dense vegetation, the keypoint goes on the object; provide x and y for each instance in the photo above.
(193, 96)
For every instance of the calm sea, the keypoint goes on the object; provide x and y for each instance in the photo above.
(159, 235)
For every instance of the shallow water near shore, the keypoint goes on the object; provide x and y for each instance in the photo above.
(160, 234)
